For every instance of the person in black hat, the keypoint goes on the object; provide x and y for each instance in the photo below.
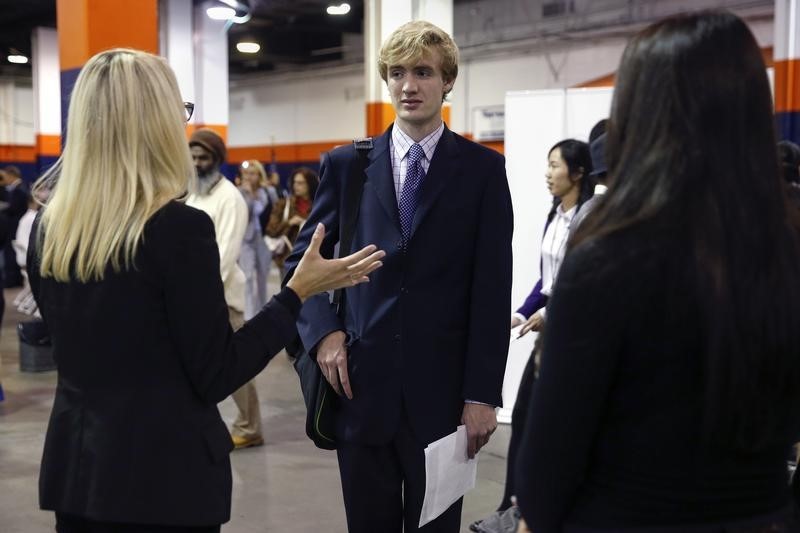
(599, 172)
(789, 154)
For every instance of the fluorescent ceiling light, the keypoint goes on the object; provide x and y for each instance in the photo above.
(341, 9)
(221, 13)
(14, 58)
(248, 47)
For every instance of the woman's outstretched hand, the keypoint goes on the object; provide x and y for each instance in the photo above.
(316, 274)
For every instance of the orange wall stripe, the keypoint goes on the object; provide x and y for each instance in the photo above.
(18, 153)
(284, 153)
(379, 116)
(86, 27)
(787, 85)
(602, 81)
(306, 152)
(48, 145)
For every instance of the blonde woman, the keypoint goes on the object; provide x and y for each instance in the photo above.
(255, 258)
(127, 279)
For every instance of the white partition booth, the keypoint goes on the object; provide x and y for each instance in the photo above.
(534, 122)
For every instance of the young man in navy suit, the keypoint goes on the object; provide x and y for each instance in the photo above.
(422, 347)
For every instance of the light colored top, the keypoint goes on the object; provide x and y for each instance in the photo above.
(23, 235)
(255, 206)
(554, 246)
(228, 210)
(587, 207)
(400, 144)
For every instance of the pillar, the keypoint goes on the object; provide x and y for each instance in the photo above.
(46, 97)
(86, 27)
(787, 69)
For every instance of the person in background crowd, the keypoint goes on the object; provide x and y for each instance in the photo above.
(568, 167)
(290, 213)
(673, 406)
(221, 201)
(255, 257)
(18, 197)
(128, 282)
(789, 154)
(599, 173)
(423, 349)
(569, 180)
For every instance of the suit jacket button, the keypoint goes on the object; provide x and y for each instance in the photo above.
(399, 245)
(397, 337)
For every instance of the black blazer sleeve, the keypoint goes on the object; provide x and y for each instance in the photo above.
(586, 319)
(217, 361)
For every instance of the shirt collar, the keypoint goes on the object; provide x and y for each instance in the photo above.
(600, 189)
(566, 214)
(402, 142)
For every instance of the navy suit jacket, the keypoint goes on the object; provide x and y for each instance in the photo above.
(431, 328)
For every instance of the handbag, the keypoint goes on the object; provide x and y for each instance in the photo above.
(319, 396)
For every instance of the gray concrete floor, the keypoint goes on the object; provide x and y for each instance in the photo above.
(287, 485)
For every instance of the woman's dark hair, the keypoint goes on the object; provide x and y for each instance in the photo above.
(579, 161)
(691, 149)
(311, 179)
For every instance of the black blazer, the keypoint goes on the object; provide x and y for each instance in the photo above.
(430, 330)
(143, 358)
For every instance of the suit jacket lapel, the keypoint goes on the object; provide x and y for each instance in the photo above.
(379, 177)
(440, 173)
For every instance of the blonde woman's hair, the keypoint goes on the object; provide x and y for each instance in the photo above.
(125, 156)
(262, 174)
(412, 41)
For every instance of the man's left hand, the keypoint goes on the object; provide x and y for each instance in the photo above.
(481, 421)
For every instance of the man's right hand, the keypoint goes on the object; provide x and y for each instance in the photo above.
(332, 360)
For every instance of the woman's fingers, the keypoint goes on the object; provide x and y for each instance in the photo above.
(316, 239)
(360, 255)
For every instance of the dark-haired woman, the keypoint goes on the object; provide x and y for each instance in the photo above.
(568, 166)
(673, 406)
(290, 213)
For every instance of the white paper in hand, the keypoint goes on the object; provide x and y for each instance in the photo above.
(449, 474)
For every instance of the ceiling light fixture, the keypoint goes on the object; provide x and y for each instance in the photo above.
(221, 13)
(17, 58)
(247, 47)
(341, 9)
(231, 10)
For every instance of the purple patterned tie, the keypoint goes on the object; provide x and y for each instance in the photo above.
(409, 194)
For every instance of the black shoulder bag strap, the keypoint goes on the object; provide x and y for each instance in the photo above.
(348, 213)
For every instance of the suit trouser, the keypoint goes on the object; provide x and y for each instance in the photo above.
(384, 486)
(255, 260)
(248, 421)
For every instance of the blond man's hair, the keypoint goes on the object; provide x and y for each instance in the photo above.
(411, 42)
(256, 164)
(125, 157)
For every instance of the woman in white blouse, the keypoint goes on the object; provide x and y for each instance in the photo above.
(568, 166)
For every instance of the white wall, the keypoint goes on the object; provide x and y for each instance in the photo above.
(322, 107)
(16, 113)
(329, 104)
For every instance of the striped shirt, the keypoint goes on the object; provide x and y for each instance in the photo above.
(400, 144)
